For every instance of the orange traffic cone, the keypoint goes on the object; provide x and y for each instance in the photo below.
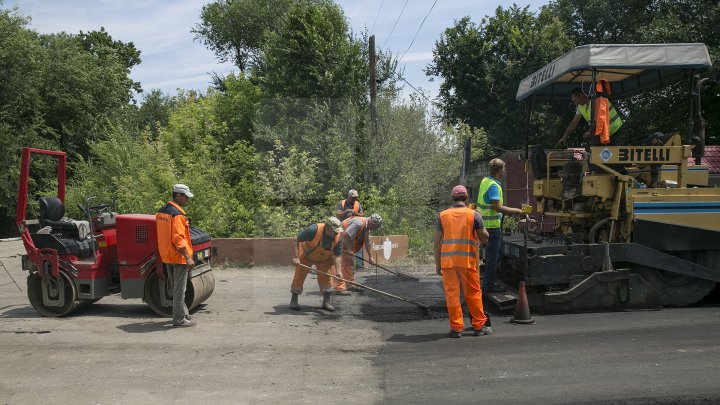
(522, 309)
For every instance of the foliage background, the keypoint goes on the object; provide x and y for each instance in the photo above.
(274, 147)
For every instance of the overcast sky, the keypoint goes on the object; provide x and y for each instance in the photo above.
(172, 59)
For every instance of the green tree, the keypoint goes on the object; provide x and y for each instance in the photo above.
(313, 55)
(236, 30)
(482, 65)
(58, 91)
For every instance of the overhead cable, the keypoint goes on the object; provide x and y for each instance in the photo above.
(418, 31)
(396, 23)
(376, 17)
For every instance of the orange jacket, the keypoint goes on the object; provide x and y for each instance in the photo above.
(359, 239)
(459, 244)
(173, 233)
(313, 251)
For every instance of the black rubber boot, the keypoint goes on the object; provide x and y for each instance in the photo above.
(326, 302)
(294, 302)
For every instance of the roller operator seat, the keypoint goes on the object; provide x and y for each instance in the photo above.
(52, 211)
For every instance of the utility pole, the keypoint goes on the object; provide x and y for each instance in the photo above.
(373, 87)
(373, 102)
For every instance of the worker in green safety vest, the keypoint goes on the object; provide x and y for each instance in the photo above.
(582, 110)
(491, 205)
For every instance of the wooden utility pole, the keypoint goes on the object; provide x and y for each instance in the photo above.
(373, 94)
(373, 86)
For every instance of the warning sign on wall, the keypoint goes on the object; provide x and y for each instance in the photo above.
(389, 248)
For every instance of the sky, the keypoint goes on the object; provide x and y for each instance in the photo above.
(173, 59)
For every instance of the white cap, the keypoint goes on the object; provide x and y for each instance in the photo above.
(353, 193)
(182, 189)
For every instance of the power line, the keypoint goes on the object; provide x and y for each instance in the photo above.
(376, 17)
(396, 23)
(418, 30)
(418, 91)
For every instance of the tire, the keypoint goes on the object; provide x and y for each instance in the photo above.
(153, 299)
(35, 295)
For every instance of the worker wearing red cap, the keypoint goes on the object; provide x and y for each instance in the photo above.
(458, 234)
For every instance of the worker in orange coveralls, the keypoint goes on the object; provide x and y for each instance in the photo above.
(355, 238)
(319, 245)
(458, 234)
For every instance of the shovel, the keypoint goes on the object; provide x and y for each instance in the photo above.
(424, 308)
(397, 273)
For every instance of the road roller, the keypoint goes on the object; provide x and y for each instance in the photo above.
(73, 263)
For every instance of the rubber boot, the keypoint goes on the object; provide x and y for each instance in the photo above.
(294, 305)
(326, 302)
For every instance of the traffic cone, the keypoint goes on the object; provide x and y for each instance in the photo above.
(522, 309)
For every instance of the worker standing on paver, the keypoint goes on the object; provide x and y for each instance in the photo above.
(458, 234)
(356, 236)
(175, 247)
(319, 245)
(349, 207)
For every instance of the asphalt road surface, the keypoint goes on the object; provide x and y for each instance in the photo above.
(250, 348)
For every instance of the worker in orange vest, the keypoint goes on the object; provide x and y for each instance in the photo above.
(319, 245)
(458, 234)
(355, 238)
(607, 119)
(349, 207)
(176, 251)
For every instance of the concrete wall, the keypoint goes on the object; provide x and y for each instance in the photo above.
(279, 251)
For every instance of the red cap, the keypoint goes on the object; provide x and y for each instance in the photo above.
(458, 191)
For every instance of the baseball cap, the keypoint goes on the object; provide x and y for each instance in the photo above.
(334, 224)
(458, 191)
(182, 189)
(353, 193)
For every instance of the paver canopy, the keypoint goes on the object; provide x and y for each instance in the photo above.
(630, 68)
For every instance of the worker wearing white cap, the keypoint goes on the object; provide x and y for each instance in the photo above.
(175, 248)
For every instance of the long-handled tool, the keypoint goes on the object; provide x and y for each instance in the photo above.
(397, 273)
(424, 308)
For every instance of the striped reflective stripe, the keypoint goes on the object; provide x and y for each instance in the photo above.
(458, 253)
(485, 207)
(614, 118)
(490, 217)
(459, 241)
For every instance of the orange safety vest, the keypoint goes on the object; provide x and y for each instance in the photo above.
(359, 238)
(356, 205)
(602, 111)
(173, 233)
(459, 244)
(313, 250)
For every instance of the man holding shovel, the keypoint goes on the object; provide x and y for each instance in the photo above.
(355, 238)
(319, 245)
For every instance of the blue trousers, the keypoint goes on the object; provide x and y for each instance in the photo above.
(492, 257)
